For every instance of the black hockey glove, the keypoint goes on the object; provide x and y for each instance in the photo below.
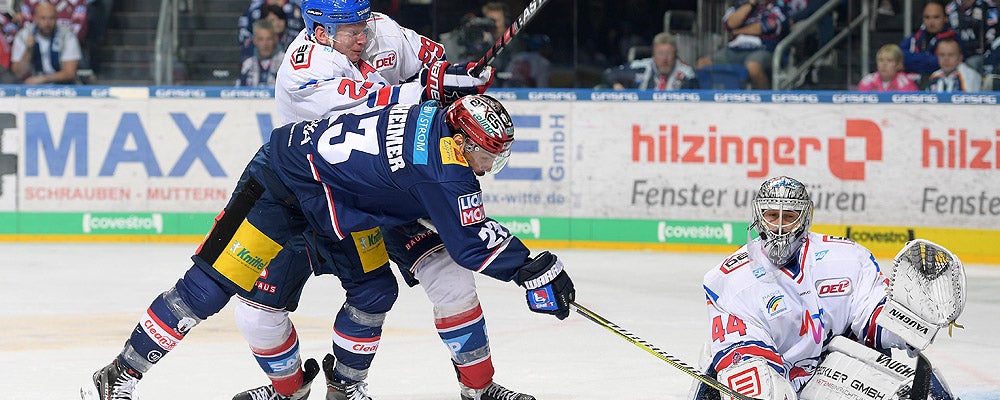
(549, 289)
(446, 82)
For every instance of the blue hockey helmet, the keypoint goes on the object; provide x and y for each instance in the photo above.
(330, 13)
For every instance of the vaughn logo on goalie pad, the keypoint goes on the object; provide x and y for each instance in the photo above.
(906, 320)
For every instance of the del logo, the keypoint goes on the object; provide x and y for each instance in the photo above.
(470, 207)
(385, 60)
(833, 287)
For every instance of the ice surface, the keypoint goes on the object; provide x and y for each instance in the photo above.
(69, 307)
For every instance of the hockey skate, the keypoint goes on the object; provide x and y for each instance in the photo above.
(337, 389)
(493, 392)
(113, 382)
(267, 392)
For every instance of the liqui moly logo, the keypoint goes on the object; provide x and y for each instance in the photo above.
(470, 207)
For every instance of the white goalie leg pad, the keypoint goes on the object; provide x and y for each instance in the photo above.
(926, 293)
(855, 372)
(262, 329)
(754, 377)
(449, 286)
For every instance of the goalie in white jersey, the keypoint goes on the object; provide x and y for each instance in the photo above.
(781, 304)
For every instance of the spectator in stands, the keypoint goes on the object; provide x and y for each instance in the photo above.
(954, 75)
(278, 20)
(919, 49)
(755, 28)
(44, 51)
(474, 35)
(71, 13)
(293, 18)
(8, 29)
(977, 23)
(803, 9)
(529, 69)
(261, 69)
(662, 71)
(890, 76)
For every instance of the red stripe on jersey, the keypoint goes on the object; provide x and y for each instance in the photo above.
(493, 256)
(738, 353)
(457, 320)
(383, 96)
(802, 265)
(287, 345)
(872, 333)
(329, 199)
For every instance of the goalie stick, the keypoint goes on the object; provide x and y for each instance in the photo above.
(529, 12)
(674, 361)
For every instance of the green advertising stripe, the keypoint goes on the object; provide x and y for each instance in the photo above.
(105, 223)
(528, 228)
(627, 230)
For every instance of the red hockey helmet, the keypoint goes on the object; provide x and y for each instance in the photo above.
(487, 126)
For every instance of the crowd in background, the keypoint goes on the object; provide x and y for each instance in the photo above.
(621, 45)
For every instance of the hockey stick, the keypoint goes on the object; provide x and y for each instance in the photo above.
(676, 363)
(512, 30)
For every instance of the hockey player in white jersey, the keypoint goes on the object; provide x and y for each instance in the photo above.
(348, 56)
(792, 304)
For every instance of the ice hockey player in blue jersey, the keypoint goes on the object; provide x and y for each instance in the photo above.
(340, 177)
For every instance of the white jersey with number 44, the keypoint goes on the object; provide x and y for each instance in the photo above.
(788, 315)
(315, 80)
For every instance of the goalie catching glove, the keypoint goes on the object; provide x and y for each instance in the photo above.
(549, 289)
(446, 82)
(926, 293)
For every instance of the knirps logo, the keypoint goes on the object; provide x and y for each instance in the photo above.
(669, 145)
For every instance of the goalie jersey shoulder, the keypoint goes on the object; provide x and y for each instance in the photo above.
(734, 274)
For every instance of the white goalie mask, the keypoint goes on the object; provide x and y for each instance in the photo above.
(782, 215)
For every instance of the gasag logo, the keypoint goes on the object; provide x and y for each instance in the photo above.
(470, 208)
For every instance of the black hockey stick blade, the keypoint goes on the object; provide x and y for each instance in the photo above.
(921, 379)
(649, 348)
(529, 12)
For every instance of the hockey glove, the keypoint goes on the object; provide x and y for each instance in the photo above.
(549, 289)
(446, 82)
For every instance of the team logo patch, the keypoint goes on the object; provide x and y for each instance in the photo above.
(734, 262)
(541, 299)
(834, 287)
(451, 153)
(384, 60)
(470, 208)
(821, 255)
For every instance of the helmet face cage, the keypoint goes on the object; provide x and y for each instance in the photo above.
(777, 198)
(331, 13)
(487, 126)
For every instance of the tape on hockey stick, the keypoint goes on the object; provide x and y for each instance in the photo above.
(649, 348)
(529, 12)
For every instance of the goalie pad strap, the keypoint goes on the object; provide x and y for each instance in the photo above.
(853, 371)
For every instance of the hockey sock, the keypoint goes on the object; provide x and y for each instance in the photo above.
(160, 329)
(282, 364)
(356, 336)
(465, 336)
